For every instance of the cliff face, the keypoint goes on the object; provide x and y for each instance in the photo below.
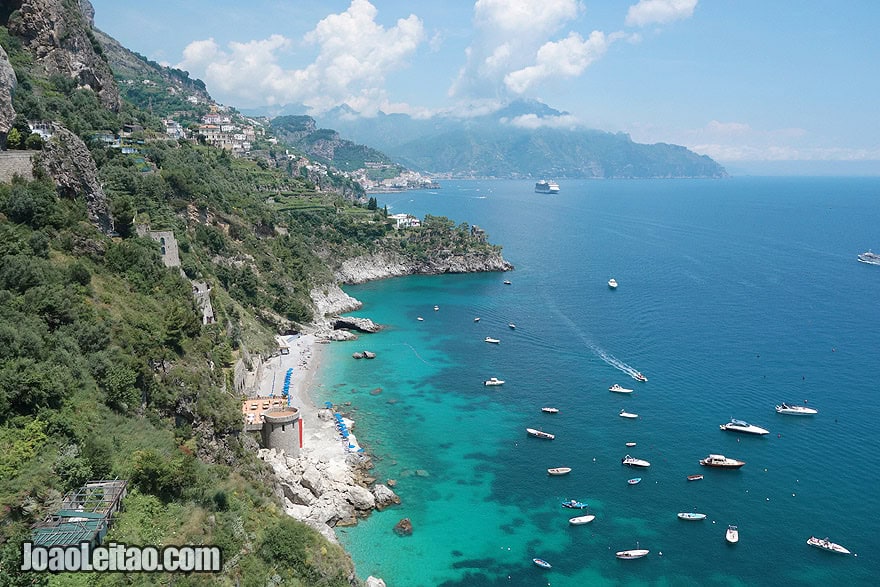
(61, 40)
(67, 160)
(8, 83)
(388, 264)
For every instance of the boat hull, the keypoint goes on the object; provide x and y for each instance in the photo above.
(559, 471)
(579, 520)
(539, 434)
(827, 545)
(691, 516)
(542, 563)
(632, 554)
(796, 411)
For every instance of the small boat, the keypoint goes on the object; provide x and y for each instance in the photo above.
(795, 410)
(617, 388)
(546, 187)
(493, 381)
(625, 414)
(826, 544)
(512, 326)
(744, 427)
(542, 563)
(869, 258)
(691, 516)
(549, 410)
(634, 462)
(574, 504)
(612, 283)
(539, 434)
(732, 534)
(436, 308)
(632, 554)
(477, 319)
(695, 477)
(630, 444)
(420, 319)
(506, 282)
(577, 521)
(491, 340)
(559, 471)
(638, 376)
(721, 462)
(634, 480)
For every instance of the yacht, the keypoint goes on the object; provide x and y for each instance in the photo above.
(732, 534)
(795, 410)
(612, 283)
(493, 381)
(625, 414)
(869, 258)
(745, 427)
(547, 187)
(539, 434)
(721, 462)
(826, 544)
(634, 462)
(491, 340)
(619, 389)
(631, 554)
(550, 410)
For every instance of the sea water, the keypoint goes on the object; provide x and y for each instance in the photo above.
(735, 295)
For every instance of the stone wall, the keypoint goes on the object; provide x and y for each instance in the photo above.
(16, 163)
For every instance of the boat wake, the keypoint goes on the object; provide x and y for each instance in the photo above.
(415, 352)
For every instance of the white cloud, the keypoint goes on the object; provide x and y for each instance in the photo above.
(563, 59)
(533, 121)
(355, 56)
(648, 12)
(525, 16)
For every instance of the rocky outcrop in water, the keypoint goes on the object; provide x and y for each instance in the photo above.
(8, 83)
(388, 264)
(60, 37)
(358, 324)
(67, 160)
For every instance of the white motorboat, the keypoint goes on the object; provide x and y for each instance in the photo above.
(542, 563)
(612, 283)
(638, 376)
(632, 554)
(826, 544)
(691, 516)
(744, 427)
(540, 434)
(547, 187)
(550, 410)
(634, 462)
(506, 282)
(625, 414)
(577, 521)
(559, 471)
(618, 389)
(732, 534)
(420, 319)
(477, 319)
(512, 326)
(795, 410)
(630, 443)
(436, 308)
(721, 462)
(491, 340)
(493, 381)
(869, 257)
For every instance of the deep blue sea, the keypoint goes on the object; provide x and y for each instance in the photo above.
(734, 295)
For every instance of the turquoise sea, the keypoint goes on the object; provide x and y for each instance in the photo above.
(734, 295)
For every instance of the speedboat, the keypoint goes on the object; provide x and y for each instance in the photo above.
(869, 258)
(826, 544)
(512, 326)
(625, 414)
(477, 319)
(695, 477)
(745, 427)
(732, 534)
(574, 504)
(721, 462)
(691, 516)
(638, 376)
(795, 410)
(491, 340)
(559, 471)
(436, 308)
(506, 282)
(539, 434)
(420, 319)
(577, 521)
(630, 443)
(542, 563)
(493, 381)
(549, 410)
(632, 554)
(617, 388)
(634, 480)
(612, 283)
(634, 462)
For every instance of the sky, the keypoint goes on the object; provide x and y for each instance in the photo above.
(750, 83)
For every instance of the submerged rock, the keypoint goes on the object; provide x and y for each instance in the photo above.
(404, 527)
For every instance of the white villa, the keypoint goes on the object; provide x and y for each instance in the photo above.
(404, 220)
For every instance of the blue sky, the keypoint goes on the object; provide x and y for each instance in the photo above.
(740, 80)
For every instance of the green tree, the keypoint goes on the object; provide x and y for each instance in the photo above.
(119, 384)
(13, 139)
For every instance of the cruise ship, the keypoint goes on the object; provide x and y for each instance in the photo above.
(866, 257)
(547, 187)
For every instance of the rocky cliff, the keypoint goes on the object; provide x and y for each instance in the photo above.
(60, 38)
(389, 264)
(67, 160)
(8, 83)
